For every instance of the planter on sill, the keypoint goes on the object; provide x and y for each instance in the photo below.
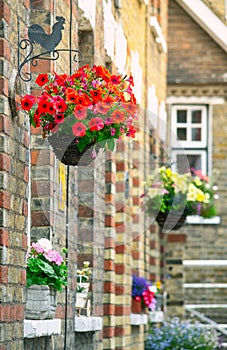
(137, 307)
(41, 302)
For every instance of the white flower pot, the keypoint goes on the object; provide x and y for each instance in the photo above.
(81, 299)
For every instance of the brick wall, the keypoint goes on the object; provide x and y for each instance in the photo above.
(14, 173)
(193, 57)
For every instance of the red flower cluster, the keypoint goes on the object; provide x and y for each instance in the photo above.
(91, 104)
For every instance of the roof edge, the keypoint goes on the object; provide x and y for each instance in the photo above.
(207, 19)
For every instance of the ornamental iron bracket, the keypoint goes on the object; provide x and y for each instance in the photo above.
(37, 35)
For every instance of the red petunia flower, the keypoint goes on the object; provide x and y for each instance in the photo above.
(59, 118)
(79, 129)
(102, 72)
(131, 131)
(108, 100)
(130, 108)
(52, 110)
(118, 116)
(96, 124)
(60, 105)
(102, 108)
(80, 112)
(71, 96)
(42, 79)
(96, 95)
(115, 79)
(44, 106)
(27, 102)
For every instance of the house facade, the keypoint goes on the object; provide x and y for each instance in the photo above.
(94, 211)
(196, 100)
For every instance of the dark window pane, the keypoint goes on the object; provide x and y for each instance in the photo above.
(187, 161)
(182, 134)
(197, 116)
(181, 116)
(196, 134)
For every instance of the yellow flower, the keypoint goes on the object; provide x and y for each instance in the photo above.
(168, 172)
(197, 181)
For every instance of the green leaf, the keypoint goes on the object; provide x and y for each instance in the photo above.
(111, 144)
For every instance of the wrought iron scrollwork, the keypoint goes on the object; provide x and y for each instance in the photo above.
(26, 44)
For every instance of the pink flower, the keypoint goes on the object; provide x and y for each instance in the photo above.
(37, 248)
(54, 256)
(112, 131)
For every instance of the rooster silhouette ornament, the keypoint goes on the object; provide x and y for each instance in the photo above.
(37, 35)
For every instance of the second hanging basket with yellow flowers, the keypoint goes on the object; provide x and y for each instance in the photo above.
(83, 112)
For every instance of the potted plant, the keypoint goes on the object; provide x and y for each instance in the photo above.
(179, 335)
(171, 197)
(46, 274)
(142, 295)
(82, 112)
(83, 285)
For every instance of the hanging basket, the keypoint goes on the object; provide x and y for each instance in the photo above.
(171, 220)
(66, 150)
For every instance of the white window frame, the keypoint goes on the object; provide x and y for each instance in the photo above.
(186, 152)
(175, 142)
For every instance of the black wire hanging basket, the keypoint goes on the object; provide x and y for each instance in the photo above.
(173, 220)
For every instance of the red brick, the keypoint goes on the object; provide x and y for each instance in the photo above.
(135, 200)
(120, 187)
(41, 188)
(4, 162)
(26, 139)
(120, 207)
(120, 227)
(109, 243)
(108, 309)
(25, 208)
(152, 261)
(44, 66)
(108, 265)
(108, 332)
(3, 274)
(4, 86)
(135, 254)
(120, 290)
(108, 287)
(3, 347)
(16, 313)
(120, 268)
(36, 131)
(174, 238)
(41, 157)
(5, 199)
(4, 49)
(4, 124)
(122, 310)
(121, 166)
(110, 177)
(24, 242)
(26, 174)
(120, 249)
(5, 313)
(4, 237)
(41, 218)
(60, 312)
(135, 182)
(121, 147)
(119, 331)
(109, 221)
(136, 219)
(109, 198)
(85, 212)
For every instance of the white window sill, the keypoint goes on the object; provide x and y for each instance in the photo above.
(41, 328)
(156, 316)
(199, 220)
(138, 319)
(88, 324)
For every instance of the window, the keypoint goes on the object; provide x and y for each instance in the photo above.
(189, 137)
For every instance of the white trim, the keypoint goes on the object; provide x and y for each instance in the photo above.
(188, 143)
(205, 306)
(197, 100)
(199, 220)
(157, 31)
(205, 263)
(185, 153)
(206, 18)
(41, 328)
(205, 285)
(138, 319)
(88, 324)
